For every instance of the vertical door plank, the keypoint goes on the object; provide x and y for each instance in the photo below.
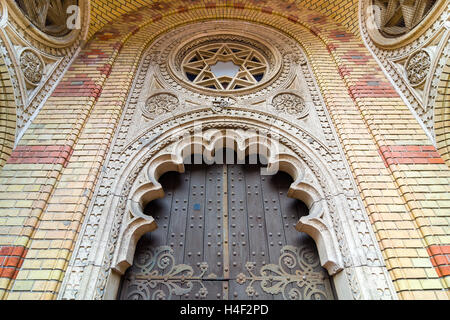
(238, 245)
(193, 253)
(274, 221)
(178, 217)
(212, 245)
(258, 249)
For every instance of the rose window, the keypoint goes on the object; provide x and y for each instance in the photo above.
(225, 66)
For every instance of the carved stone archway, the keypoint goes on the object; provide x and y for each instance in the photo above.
(347, 257)
(147, 144)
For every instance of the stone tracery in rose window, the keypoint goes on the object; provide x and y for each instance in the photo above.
(225, 66)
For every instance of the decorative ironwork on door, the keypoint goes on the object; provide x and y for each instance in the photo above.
(226, 232)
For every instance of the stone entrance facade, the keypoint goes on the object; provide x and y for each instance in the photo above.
(356, 118)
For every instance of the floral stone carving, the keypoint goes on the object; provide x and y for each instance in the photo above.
(159, 104)
(291, 104)
(418, 67)
(32, 66)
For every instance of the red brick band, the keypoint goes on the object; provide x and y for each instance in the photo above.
(293, 18)
(440, 258)
(11, 259)
(410, 155)
(41, 155)
(157, 17)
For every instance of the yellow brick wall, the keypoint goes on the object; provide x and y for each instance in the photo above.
(344, 12)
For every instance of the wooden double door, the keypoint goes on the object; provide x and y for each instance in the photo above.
(226, 232)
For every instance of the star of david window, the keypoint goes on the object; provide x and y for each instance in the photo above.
(225, 66)
(397, 17)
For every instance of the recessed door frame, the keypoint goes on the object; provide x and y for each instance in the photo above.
(352, 259)
(226, 232)
(326, 207)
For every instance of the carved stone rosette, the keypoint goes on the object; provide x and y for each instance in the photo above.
(32, 66)
(291, 104)
(418, 67)
(159, 104)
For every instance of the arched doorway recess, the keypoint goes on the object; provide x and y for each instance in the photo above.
(281, 116)
(226, 232)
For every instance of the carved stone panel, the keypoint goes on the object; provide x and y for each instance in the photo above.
(291, 104)
(418, 67)
(159, 104)
(32, 66)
